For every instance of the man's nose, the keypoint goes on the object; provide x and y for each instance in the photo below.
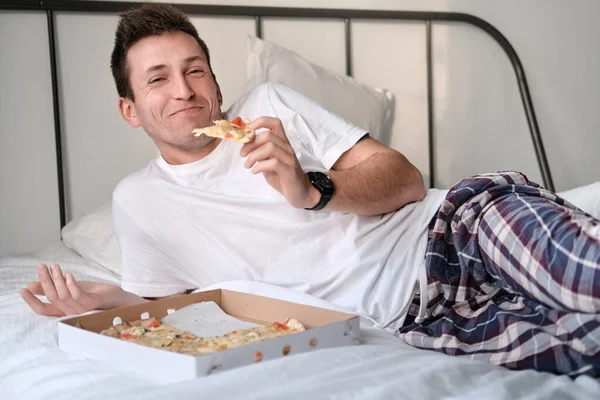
(183, 90)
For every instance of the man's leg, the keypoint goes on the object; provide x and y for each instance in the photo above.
(513, 279)
(545, 251)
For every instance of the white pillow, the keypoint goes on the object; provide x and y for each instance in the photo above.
(92, 237)
(366, 107)
(587, 198)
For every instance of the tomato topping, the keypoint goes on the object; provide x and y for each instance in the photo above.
(154, 324)
(257, 356)
(228, 136)
(188, 337)
(238, 122)
(126, 335)
(279, 325)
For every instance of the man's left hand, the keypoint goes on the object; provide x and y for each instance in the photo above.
(271, 154)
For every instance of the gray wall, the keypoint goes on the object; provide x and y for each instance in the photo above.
(479, 123)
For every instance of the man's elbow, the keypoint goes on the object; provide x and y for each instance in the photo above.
(414, 189)
(418, 185)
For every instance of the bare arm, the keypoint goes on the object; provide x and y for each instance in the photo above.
(369, 178)
(372, 179)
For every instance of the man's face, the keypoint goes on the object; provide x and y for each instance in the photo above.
(174, 92)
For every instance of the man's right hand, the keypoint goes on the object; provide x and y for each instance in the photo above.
(69, 297)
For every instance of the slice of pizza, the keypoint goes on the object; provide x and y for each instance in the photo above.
(153, 333)
(235, 130)
(260, 333)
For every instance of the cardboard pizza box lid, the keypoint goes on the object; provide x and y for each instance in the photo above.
(324, 329)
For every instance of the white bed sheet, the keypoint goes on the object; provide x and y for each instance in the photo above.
(383, 367)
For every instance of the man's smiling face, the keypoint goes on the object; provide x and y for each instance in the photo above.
(174, 90)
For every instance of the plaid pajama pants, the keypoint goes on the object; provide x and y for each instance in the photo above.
(513, 278)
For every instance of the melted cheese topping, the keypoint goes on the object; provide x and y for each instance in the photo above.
(153, 333)
(224, 129)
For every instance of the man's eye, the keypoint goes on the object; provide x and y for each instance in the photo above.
(198, 71)
(156, 80)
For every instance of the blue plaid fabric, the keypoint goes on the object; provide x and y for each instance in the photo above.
(513, 278)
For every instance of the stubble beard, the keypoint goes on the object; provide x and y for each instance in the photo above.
(199, 142)
(196, 143)
(189, 143)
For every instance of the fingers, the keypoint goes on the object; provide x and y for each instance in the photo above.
(270, 150)
(288, 176)
(270, 123)
(63, 290)
(54, 287)
(65, 295)
(271, 154)
(36, 288)
(271, 165)
(260, 140)
(274, 133)
(81, 298)
(41, 308)
(47, 283)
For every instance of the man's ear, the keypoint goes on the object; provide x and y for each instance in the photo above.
(219, 94)
(127, 109)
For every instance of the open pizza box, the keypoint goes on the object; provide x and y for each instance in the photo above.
(324, 329)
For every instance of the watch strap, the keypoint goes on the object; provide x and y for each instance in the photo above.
(326, 195)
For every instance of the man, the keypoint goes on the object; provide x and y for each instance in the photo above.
(315, 205)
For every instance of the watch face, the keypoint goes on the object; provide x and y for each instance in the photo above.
(325, 181)
(324, 185)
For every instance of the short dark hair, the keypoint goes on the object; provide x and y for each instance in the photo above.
(139, 23)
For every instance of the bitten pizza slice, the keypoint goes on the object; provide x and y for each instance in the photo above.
(235, 130)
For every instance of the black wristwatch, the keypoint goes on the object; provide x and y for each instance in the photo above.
(324, 185)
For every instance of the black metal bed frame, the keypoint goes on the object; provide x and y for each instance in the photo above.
(258, 13)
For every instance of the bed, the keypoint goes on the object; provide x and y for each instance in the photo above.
(33, 367)
(381, 367)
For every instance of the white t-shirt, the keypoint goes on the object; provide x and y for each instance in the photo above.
(189, 226)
